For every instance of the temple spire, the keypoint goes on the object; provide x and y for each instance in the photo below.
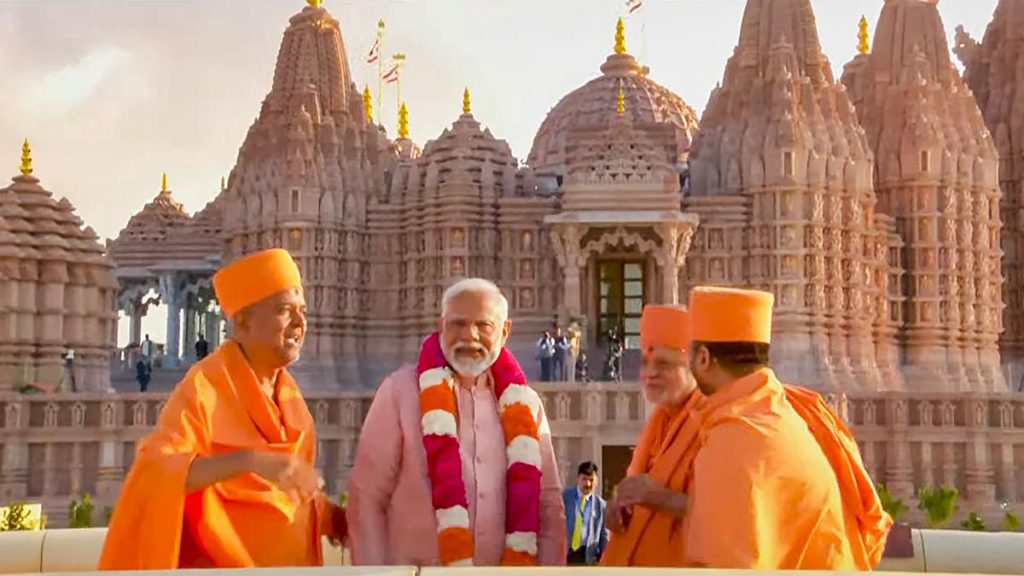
(466, 109)
(862, 35)
(403, 121)
(620, 37)
(620, 106)
(223, 184)
(368, 103)
(163, 183)
(26, 159)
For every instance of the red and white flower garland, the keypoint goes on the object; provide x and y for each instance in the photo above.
(520, 409)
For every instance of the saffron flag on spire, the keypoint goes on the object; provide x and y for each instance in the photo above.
(374, 54)
(633, 5)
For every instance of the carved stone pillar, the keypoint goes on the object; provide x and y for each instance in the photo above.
(135, 327)
(566, 241)
(110, 471)
(899, 477)
(676, 238)
(14, 471)
(170, 296)
(191, 332)
(980, 477)
(1007, 475)
(213, 330)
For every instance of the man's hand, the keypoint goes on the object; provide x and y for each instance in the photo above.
(642, 490)
(617, 517)
(289, 473)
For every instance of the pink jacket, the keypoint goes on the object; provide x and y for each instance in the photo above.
(391, 518)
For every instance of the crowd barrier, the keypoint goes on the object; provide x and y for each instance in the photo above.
(76, 551)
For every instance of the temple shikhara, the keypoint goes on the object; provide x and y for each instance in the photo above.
(884, 209)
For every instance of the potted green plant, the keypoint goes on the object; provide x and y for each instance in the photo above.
(1011, 523)
(938, 504)
(17, 518)
(80, 512)
(974, 523)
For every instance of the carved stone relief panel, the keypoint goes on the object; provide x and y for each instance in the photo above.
(527, 299)
(458, 238)
(526, 270)
(526, 241)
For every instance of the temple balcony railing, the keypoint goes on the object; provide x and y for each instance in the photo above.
(55, 446)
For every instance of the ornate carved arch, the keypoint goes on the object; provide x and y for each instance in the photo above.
(620, 235)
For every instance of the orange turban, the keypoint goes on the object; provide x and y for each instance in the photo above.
(254, 278)
(730, 315)
(667, 326)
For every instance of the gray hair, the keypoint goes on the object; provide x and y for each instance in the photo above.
(476, 286)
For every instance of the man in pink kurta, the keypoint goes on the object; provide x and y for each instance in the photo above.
(392, 517)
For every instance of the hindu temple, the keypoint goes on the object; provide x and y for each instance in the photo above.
(882, 208)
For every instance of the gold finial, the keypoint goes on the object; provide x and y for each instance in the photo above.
(163, 183)
(26, 159)
(466, 109)
(368, 103)
(620, 37)
(314, 3)
(380, 24)
(620, 106)
(863, 47)
(403, 121)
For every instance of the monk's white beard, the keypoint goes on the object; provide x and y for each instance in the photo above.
(471, 368)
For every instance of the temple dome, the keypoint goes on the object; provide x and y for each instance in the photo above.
(142, 239)
(593, 106)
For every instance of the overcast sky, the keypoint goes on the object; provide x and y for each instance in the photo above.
(114, 92)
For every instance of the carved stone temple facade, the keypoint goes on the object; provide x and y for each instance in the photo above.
(870, 206)
(57, 292)
(380, 227)
(994, 71)
(873, 207)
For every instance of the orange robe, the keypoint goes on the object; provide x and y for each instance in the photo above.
(665, 452)
(243, 522)
(763, 493)
(867, 524)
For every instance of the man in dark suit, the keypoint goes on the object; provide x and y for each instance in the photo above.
(584, 518)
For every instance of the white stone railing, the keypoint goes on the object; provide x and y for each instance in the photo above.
(55, 446)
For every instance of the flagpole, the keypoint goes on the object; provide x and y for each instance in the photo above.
(380, 71)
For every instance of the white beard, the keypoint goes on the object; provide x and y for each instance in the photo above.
(467, 367)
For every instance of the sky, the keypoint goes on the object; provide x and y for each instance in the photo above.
(112, 93)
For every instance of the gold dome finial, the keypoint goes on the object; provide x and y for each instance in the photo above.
(620, 106)
(163, 183)
(314, 3)
(620, 37)
(368, 103)
(863, 47)
(466, 109)
(403, 121)
(26, 159)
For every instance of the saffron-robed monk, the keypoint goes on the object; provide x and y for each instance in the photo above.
(455, 464)
(226, 480)
(646, 515)
(777, 483)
